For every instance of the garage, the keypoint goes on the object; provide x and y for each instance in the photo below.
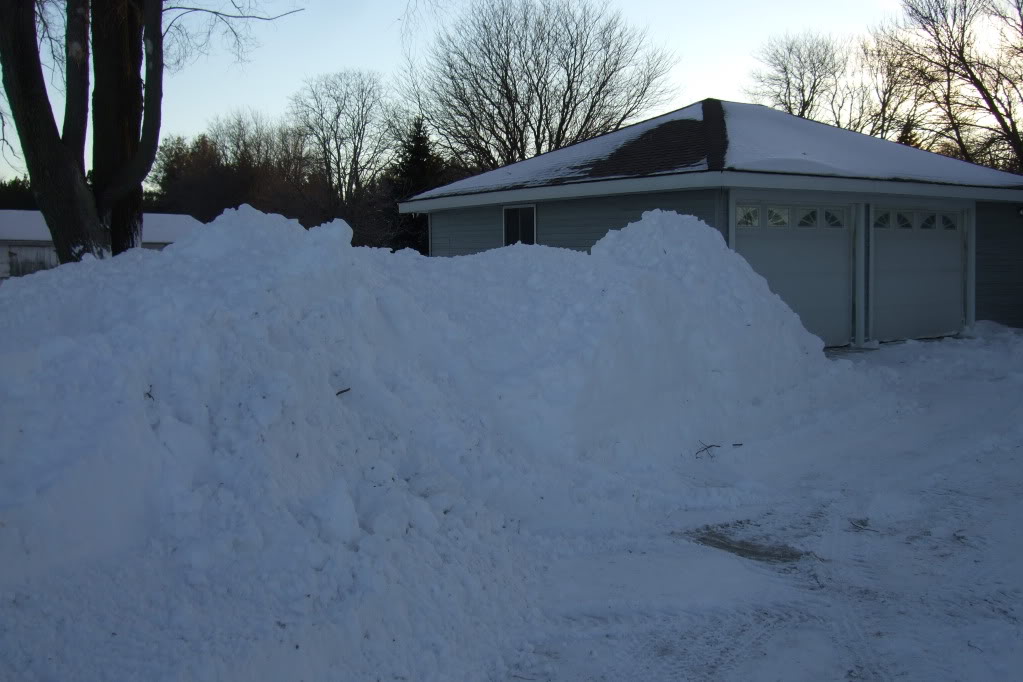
(805, 252)
(918, 284)
(865, 239)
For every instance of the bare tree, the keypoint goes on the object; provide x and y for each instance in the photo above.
(109, 40)
(512, 79)
(893, 102)
(869, 86)
(801, 74)
(343, 116)
(968, 54)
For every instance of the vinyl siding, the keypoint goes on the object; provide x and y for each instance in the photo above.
(459, 232)
(1000, 263)
(572, 223)
(580, 223)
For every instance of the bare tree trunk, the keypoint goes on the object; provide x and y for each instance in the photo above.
(57, 179)
(117, 114)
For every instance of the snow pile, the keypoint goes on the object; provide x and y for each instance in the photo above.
(263, 454)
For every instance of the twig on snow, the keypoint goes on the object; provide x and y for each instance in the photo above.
(706, 448)
(343, 390)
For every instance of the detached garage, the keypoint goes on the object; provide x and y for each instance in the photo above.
(865, 239)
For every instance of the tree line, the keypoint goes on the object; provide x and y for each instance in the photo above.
(947, 77)
(508, 79)
(504, 81)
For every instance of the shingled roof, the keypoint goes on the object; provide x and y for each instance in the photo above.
(712, 136)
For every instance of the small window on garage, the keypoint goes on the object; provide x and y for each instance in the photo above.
(747, 216)
(904, 221)
(806, 217)
(883, 220)
(777, 216)
(928, 221)
(519, 225)
(834, 217)
(948, 221)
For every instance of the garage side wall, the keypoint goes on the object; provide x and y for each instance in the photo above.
(580, 223)
(571, 223)
(462, 231)
(1000, 263)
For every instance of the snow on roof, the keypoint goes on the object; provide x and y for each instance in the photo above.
(596, 157)
(157, 228)
(765, 139)
(715, 135)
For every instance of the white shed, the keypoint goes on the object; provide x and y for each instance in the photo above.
(25, 244)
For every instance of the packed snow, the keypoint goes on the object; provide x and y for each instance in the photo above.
(262, 454)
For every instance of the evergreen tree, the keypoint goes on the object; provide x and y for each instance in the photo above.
(418, 168)
(16, 193)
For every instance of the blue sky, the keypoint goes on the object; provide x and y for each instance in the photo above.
(713, 41)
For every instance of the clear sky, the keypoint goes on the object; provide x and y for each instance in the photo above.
(714, 42)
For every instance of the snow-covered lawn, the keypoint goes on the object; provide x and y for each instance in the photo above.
(264, 455)
(907, 520)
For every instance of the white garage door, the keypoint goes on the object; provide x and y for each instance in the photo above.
(805, 254)
(918, 274)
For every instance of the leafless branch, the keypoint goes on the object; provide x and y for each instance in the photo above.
(509, 80)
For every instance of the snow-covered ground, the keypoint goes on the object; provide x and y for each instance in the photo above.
(262, 454)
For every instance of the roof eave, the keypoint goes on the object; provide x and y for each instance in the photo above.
(707, 179)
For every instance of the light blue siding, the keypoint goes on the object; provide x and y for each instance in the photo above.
(462, 231)
(579, 223)
(571, 223)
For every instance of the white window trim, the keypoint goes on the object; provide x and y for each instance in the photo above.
(536, 231)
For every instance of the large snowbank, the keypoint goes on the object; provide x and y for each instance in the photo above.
(189, 489)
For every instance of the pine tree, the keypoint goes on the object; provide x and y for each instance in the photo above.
(418, 168)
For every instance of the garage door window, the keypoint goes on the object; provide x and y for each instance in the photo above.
(747, 216)
(922, 220)
(834, 217)
(807, 217)
(754, 215)
(778, 217)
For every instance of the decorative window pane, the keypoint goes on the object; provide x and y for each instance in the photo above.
(904, 221)
(834, 217)
(807, 217)
(929, 222)
(747, 216)
(778, 217)
(883, 220)
(948, 222)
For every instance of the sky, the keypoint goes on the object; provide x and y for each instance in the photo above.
(714, 44)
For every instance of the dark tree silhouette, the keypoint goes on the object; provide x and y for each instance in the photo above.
(127, 63)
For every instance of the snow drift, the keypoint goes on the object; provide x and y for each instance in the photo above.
(263, 453)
